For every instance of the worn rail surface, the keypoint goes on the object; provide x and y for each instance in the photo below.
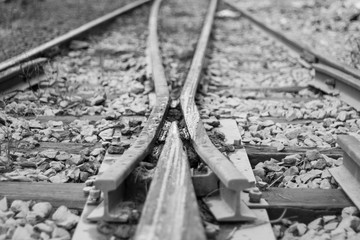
(111, 182)
(232, 180)
(171, 200)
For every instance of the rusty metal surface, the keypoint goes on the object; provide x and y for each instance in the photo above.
(68, 36)
(111, 182)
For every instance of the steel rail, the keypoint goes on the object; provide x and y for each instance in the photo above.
(170, 210)
(232, 180)
(68, 36)
(331, 76)
(294, 45)
(112, 181)
(21, 69)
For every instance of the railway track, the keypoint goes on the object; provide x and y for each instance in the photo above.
(221, 125)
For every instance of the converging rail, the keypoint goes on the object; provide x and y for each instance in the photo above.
(112, 181)
(331, 76)
(228, 207)
(171, 208)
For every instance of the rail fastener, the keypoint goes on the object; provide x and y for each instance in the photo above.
(348, 174)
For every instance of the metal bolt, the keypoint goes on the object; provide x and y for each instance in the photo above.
(94, 196)
(87, 190)
(255, 195)
(95, 193)
(89, 182)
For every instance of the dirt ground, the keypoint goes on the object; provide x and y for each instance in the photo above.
(27, 23)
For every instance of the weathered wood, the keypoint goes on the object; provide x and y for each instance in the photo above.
(302, 215)
(73, 148)
(348, 175)
(270, 89)
(90, 118)
(296, 121)
(306, 198)
(68, 194)
(260, 153)
(241, 90)
(170, 210)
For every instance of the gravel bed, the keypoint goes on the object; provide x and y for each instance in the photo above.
(340, 227)
(330, 27)
(303, 118)
(28, 220)
(180, 24)
(309, 170)
(243, 58)
(104, 75)
(25, 24)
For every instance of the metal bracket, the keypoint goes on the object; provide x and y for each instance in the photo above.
(333, 81)
(348, 174)
(227, 205)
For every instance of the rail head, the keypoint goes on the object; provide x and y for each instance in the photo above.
(68, 36)
(295, 45)
(222, 167)
(111, 182)
(171, 200)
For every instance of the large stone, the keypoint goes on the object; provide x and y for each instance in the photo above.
(313, 155)
(49, 153)
(62, 156)
(63, 217)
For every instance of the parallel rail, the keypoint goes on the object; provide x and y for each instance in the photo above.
(331, 76)
(28, 55)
